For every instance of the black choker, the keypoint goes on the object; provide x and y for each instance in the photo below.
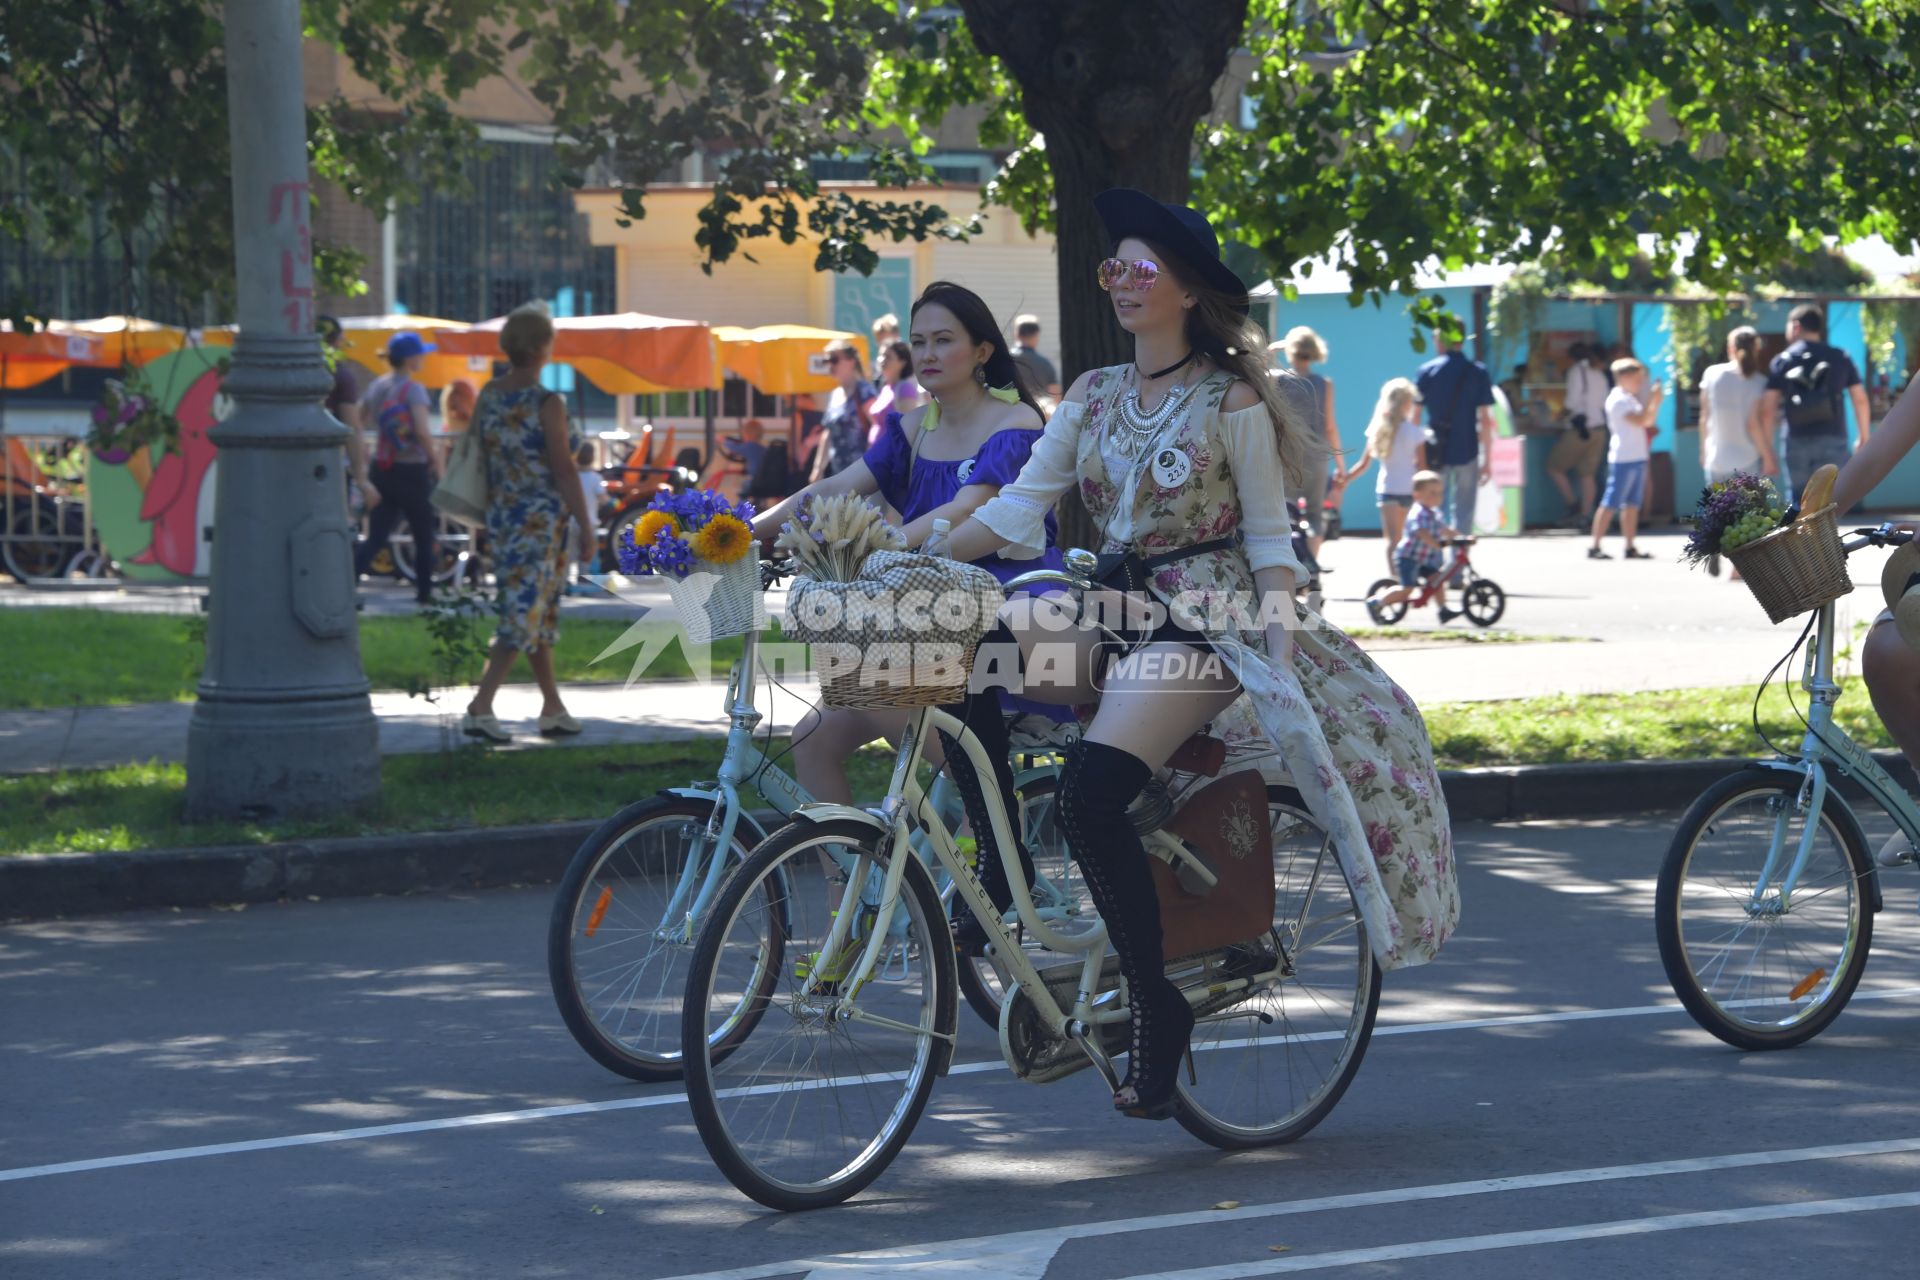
(1177, 365)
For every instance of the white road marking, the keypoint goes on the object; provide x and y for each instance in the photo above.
(928, 1259)
(675, 1099)
(1544, 1235)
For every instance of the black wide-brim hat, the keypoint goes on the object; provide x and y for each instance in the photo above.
(1181, 231)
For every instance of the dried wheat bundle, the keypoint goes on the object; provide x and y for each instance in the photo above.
(832, 537)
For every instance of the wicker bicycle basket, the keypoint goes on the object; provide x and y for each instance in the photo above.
(1797, 568)
(719, 601)
(902, 634)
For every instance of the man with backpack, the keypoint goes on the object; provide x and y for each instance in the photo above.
(1458, 395)
(1809, 384)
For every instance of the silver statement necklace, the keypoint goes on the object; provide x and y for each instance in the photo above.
(1141, 426)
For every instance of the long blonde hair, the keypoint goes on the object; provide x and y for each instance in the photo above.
(1394, 407)
(1220, 331)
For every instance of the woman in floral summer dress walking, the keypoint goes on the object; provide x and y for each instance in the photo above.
(1181, 454)
(533, 486)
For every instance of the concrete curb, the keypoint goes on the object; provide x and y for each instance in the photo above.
(41, 886)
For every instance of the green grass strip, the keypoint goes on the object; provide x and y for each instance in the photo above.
(138, 806)
(61, 657)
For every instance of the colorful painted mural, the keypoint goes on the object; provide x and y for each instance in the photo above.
(155, 514)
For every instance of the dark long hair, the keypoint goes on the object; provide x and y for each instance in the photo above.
(1746, 349)
(1219, 329)
(977, 319)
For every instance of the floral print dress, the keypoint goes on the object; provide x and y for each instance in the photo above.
(526, 517)
(1349, 739)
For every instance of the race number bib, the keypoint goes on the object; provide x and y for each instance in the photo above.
(1171, 467)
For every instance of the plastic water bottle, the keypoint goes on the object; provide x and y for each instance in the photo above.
(936, 543)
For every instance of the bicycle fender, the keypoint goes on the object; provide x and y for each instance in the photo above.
(819, 811)
(1848, 821)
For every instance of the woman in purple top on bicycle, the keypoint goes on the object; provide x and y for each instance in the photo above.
(939, 461)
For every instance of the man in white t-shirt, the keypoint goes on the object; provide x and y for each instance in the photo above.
(1632, 411)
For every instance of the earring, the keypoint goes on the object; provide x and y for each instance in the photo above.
(980, 374)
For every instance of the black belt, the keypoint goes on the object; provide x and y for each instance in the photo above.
(1133, 567)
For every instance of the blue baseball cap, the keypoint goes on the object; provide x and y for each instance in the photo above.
(403, 346)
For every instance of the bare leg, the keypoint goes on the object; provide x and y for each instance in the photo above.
(1393, 523)
(499, 662)
(1559, 479)
(1147, 713)
(1602, 521)
(1588, 492)
(1629, 523)
(1892, 670)
(827, 737)
(541, 660)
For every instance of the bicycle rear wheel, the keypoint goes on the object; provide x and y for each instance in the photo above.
(1272, 1061)
(821, 1092)
(620, 935)
(1759, 969)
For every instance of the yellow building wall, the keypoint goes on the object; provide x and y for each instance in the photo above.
(659, 267)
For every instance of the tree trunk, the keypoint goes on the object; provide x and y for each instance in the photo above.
(1117, 88)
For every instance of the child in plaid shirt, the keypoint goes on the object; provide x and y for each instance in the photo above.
(1420, 551)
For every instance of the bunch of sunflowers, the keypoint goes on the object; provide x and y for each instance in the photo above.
(683, 531)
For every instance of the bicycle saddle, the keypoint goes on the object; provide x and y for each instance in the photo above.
(1203, 754)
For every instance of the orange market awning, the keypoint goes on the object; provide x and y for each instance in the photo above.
(364, 341)
(778, 359)
(127, 340)
(625, 354)
(29, 359)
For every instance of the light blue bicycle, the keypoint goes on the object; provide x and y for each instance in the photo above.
(1766, 900)
(630, 904)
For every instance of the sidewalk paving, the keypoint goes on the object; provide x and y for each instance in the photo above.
(1621, 628)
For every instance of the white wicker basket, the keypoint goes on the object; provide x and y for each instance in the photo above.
(716, 601)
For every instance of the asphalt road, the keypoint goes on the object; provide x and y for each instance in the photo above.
(358, 1088)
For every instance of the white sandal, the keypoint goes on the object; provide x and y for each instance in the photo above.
(561, 725)
(487, 726)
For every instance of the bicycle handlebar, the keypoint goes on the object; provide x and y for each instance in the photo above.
(1883, 535)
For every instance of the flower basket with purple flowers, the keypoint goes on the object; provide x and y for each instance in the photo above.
(1790, 567)
(703, 546)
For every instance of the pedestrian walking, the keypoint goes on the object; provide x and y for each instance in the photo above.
(593, 488)
(1037, 373)
(1394, 440)
(533, 487)
(1731, 437)
(343, 402)
(1458, 395)
(886, 332)
(845, 422)
(899, 393)
(1576, 456)
(1303, 350)
(1633, 410)
(1808, 385)
(404, 467)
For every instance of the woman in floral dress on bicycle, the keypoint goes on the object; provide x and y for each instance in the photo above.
(1194, 483)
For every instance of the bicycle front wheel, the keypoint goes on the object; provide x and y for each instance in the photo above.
(622, 932)
(1761, 962)
(1278, 1045)
(823, 1090)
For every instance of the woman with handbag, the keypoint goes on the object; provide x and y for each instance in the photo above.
(533, 489)
(939, 461)
(1182, 457)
